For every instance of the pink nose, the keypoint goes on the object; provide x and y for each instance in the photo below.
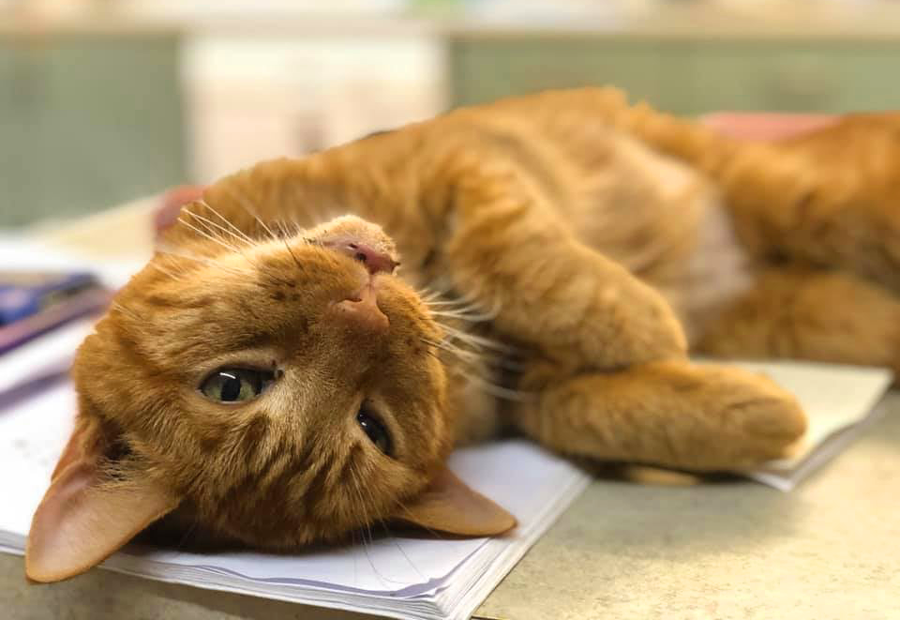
(374, 260)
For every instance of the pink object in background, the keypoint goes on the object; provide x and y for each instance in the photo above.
(172, 201)
(766, 125)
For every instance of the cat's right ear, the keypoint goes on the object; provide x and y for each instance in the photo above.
(84, 516)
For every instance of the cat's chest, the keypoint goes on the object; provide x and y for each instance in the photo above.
(713, 273)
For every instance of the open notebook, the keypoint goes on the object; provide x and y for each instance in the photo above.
(390, 575)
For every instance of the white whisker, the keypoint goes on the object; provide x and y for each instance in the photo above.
(165, 270)
(498, 390)
(477, 341)
(463, 316)
(228, 223)
(248, 206)
(204, 260)
(208, 222)
(208, 235)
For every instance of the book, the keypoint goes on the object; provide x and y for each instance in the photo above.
(32, 322)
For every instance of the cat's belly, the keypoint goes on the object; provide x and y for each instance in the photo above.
(715, 273)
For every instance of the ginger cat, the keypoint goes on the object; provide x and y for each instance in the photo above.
(273, 378)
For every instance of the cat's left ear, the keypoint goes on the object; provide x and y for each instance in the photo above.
(448, 505)
(85, 517)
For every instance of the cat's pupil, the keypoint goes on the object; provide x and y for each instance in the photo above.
(233, 385)
(375, 430)
(231, 388)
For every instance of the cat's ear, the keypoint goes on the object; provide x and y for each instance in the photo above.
(85, 517)
(448, 505)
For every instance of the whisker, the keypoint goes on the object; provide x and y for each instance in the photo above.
(165, 271)
(227, 222)
(477, 341)
(207, 235)
(242, 238)
(462, 316)
(461, 354)
(248, 206)
(204, 260)
(499, 391)
(409, 561)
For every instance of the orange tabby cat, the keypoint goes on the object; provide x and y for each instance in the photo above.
(273, 379)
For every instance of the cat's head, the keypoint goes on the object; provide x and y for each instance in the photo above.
(276, 391)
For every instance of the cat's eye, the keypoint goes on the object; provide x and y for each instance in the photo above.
(374, 430)
(236, 385)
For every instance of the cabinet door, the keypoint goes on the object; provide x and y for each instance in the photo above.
(827, 76)
(483, 69)
(18, 120)
(97, 121)
(685, 76)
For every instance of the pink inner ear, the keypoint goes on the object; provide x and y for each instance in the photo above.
(450, 506)
(79, 523)
(75, 448)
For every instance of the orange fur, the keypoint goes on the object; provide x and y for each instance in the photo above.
(572, 247)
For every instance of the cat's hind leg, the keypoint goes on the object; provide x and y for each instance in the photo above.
(829, 198)
(817, 315)
(672, 413)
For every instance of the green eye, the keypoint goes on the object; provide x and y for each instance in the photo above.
(236, 385)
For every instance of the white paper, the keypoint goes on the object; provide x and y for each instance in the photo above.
(838, 401)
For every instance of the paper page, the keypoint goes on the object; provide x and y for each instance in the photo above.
(836, 398)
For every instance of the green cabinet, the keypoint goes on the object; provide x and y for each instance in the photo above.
(87, 122)
(686, 76)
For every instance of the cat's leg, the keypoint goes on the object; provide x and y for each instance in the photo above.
(807, 314)
(514, 257)
(667, 413)
(829, 198)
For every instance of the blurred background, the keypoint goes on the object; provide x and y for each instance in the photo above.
(105, 101)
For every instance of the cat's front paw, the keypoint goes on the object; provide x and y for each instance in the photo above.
(748, 420)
